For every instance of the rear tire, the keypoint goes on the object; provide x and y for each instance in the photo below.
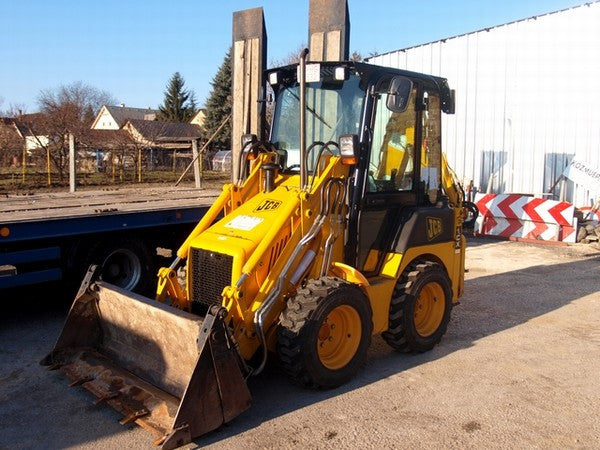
(420, 308)
(324, 333)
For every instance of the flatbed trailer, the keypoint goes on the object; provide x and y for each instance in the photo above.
(56, 236)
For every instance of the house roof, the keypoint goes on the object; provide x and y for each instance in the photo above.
(9, 128)
(166, 131)
(122, 114)
(105, 138)
(32, 124)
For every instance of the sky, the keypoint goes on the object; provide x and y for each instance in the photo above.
(131, 48)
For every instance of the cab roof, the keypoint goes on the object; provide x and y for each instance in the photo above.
(372, 75)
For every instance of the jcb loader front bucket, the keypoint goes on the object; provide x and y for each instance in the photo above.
(173, 373)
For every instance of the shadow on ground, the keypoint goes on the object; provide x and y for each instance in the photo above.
(38, 410)
(492, 304)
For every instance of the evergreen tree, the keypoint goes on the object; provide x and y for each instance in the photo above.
(218, 106)
(179, 104)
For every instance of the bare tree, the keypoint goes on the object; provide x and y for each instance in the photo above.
(356, 56)
(11, 143)
(294, 56)
(291, 58)
(68, 108)
(13, 110)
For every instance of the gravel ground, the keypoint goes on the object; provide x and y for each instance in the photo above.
(518, 368)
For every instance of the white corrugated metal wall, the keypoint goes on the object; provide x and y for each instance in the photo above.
(527, 99)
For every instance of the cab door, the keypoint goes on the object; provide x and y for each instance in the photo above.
(402, 184)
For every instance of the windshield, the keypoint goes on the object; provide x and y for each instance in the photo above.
(333, 109)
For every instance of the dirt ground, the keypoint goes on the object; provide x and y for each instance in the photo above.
(518, 368)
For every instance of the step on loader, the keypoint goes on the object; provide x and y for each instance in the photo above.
(349, 228)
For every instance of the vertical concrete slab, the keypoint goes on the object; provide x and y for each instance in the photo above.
(248, 63)
(328, 30)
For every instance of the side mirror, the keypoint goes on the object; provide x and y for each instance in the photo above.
(399, 94)
(451, 106)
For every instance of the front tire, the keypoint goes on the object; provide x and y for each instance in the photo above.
(420, 308)
(324, 333)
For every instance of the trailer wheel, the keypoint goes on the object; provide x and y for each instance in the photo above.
(126, 263)
(420, 308)
(324, 333)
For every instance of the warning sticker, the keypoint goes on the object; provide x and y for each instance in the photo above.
(245, 223)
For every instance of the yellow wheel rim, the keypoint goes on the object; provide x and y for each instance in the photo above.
(339, 337)
(429, 309)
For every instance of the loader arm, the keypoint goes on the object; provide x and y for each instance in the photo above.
(270, 242)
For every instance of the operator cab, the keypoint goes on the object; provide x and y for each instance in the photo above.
(392, 119)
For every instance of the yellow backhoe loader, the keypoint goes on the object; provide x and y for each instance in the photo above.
(345, 223)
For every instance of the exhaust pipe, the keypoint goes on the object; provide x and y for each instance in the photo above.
(302, 81)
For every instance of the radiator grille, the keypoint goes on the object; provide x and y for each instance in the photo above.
(210, 273)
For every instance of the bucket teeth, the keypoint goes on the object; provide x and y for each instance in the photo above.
(159, 440)
(134, 416)
(80, 381)
(106, 397)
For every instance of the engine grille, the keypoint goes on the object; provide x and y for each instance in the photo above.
(210, 273)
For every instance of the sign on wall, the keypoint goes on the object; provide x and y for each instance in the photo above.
(583, 174)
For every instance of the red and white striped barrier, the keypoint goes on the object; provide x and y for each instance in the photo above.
(522, 216)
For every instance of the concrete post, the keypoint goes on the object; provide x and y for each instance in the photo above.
(197, 162)
(72, 164)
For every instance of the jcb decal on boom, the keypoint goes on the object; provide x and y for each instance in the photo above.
(267, 205)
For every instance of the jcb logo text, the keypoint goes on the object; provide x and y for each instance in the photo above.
(434, 227)
(268, 205)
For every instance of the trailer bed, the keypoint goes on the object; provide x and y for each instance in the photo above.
(48, 236)
(58, 205)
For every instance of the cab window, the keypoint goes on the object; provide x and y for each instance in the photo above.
(391, 165)
(431, 151)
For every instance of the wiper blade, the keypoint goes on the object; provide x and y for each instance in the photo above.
(313, 112)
